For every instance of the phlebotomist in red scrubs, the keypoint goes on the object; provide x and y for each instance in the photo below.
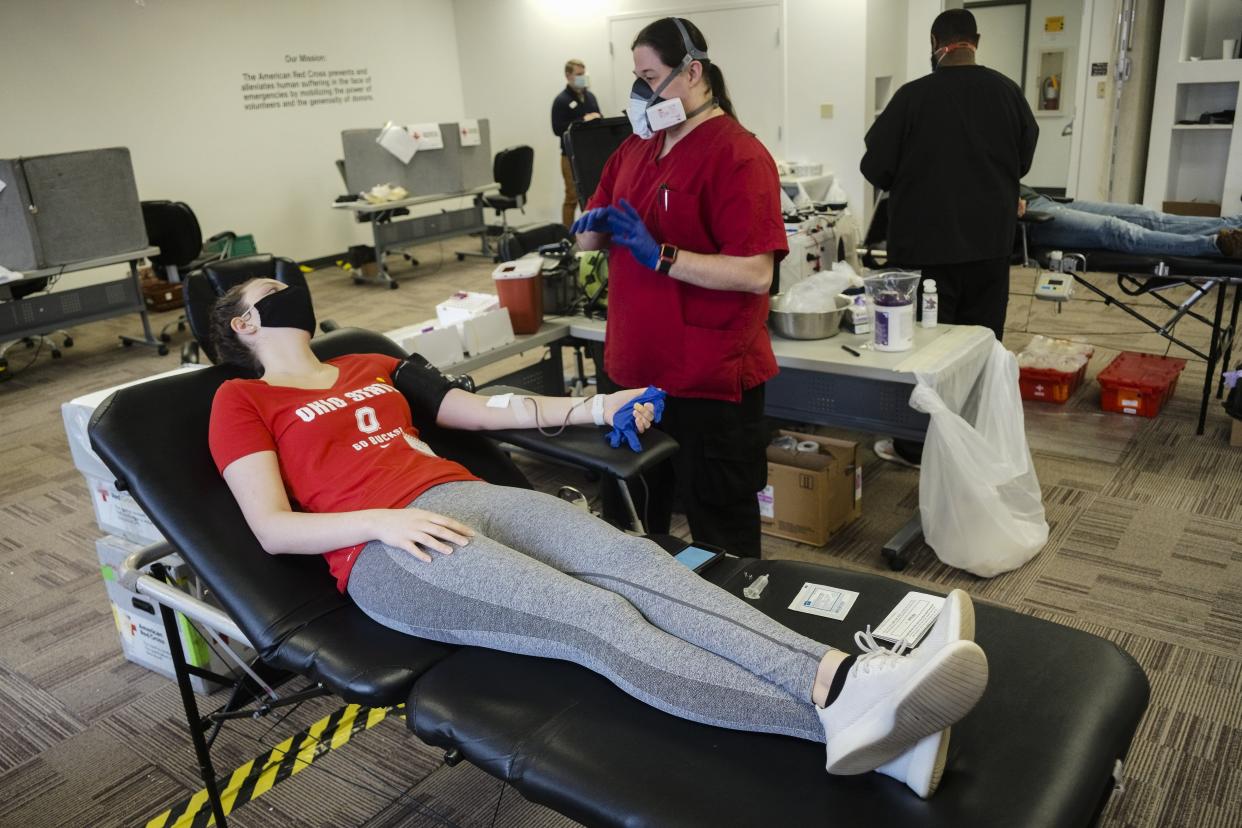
(689, 207)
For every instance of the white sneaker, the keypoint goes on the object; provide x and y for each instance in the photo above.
(890, 702)
(885, 450)
(922, 767)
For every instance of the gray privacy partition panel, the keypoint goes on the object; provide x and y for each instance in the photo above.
(85, 207)
(452, 169)
(476, 162)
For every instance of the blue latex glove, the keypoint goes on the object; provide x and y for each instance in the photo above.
(629, 231)
(623, 427)
(592, 221)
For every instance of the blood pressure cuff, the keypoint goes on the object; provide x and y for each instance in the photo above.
(423, 386)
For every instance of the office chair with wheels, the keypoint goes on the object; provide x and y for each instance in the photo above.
(511, 169)
(202, 288)
(173, 228)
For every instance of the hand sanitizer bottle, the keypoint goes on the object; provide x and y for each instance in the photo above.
(931, 302)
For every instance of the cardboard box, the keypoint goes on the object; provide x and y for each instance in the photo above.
(160, 295)
(1192, 208)
(486, 332)
(141, 626)
(811, 496)
(465, 305)
(77, 416)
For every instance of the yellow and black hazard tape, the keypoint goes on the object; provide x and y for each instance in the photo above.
(261, 774)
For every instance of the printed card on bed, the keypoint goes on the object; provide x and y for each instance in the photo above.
(826, 601)
(910, 620)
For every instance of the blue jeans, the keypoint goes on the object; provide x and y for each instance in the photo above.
(1127, 228)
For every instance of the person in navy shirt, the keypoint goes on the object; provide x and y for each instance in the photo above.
(575, 103)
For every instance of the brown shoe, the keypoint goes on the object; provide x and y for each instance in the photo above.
(1230, 242)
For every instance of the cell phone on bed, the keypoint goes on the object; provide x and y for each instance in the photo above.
(698, 558)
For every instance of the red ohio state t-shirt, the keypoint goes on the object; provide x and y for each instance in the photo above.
(349, 447)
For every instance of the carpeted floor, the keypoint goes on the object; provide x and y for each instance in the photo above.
(1145, 550)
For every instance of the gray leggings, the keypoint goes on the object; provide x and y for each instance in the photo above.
(544, 578)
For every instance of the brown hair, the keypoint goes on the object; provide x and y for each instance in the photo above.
(573, 63)
(229, 349)
(664, 38)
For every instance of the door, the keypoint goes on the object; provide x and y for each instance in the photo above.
(1002, 38)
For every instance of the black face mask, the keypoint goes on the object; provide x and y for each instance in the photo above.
(288, 308)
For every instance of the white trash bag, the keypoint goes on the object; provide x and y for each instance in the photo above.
(979, 499)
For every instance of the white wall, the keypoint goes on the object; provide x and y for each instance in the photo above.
(164, 79)
(1093, 128)
(885, 58)
(826, 60)
(918, 35)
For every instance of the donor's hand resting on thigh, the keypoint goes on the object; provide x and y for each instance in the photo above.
(415, 530)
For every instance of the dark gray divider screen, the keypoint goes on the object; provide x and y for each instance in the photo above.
(452, 169)
(87, 208)
(429, 171)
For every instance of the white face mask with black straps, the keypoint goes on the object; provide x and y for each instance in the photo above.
(647, 112)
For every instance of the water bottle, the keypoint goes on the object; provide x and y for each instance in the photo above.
(931, 302)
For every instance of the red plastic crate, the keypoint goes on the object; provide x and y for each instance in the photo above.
(1050, 385)
(1139, 383)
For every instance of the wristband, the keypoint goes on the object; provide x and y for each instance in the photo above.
(597, 409)
(668, 255)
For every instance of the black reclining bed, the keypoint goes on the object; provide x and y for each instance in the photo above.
(1043, 747)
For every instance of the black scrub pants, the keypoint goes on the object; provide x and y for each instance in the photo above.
(971, 293)
(720, 466)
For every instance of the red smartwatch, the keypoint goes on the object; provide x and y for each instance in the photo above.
(668, 255)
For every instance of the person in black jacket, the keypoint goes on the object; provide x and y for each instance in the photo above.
(950, 148)
(575, 103)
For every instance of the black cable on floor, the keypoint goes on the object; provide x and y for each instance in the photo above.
(499, 798)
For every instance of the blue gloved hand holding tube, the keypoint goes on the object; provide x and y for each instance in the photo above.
(592, 221)
(628, 230)
(634, 416)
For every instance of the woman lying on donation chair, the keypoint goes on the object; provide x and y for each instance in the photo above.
(424, 547)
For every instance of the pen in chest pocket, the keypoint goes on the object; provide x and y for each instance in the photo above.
(664, 194)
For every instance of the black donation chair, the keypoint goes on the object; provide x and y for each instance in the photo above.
(511, 169)
(1042, 748)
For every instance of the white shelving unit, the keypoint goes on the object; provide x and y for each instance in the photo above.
(1193, 161)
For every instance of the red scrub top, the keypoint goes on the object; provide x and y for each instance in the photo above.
(717, 191)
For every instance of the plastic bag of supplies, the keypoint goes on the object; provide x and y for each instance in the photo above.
(979, 498)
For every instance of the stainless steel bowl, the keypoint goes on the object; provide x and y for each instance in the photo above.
(807, 325)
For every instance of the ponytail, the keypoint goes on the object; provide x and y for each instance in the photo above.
(715, 79)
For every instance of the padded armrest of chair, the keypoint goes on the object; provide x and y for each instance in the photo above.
(1039, 749)
(586, 446)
